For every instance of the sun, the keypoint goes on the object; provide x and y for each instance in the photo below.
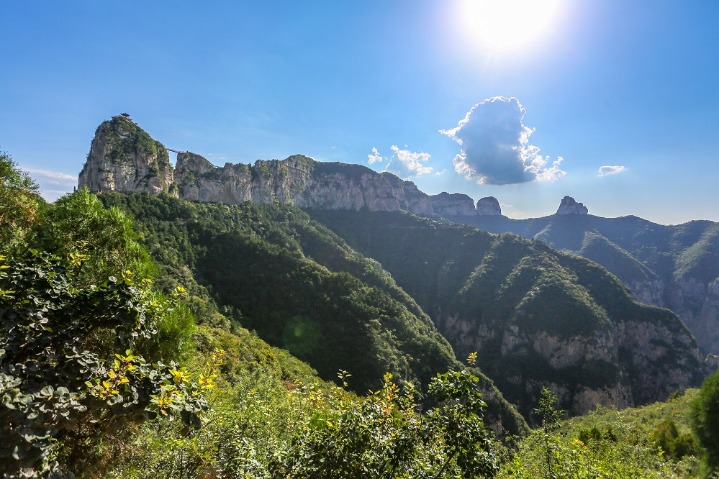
(509, 24)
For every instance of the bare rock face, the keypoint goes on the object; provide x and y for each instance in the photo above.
(199, 180)
(453, 204)
(124, 158)
(300, 181)
(633, 362)
(488, 206)
(702, 318)
(569, 206)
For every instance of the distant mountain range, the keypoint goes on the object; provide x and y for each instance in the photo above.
(675, 267)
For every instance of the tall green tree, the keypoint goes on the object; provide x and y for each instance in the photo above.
(20, 203)
(104, 238)
(705, 420)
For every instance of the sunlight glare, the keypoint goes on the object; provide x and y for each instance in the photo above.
(509, 24)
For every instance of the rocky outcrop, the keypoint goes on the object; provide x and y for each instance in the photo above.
(569, 206)
(124, 158)
(698, 305)
(633, 362)
(300, 181)
(453, 204)
(488, 206)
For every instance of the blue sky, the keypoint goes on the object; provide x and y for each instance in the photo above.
(545, 104)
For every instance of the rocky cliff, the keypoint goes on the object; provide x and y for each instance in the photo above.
(124, 158)
(675, 266)
(488, 206)
(569, 206)
(453, 204)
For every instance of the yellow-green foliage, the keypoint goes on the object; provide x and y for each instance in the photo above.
(611, 444)
(261, 400)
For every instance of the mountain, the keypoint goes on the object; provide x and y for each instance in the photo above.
(676, 267)
(124, 158)
(300, 287)
(536, 316)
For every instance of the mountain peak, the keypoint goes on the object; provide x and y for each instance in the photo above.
(488, 206)
(569, 206)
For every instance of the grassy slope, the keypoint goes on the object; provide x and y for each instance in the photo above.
(613, 444)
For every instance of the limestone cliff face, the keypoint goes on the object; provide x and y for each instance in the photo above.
(631, 363)
(488, 206)
(648, 292)
(454, 204)
(124, 158)
(698, 305)
(300, 181)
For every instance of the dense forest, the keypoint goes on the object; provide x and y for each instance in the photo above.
(148, 336)
(675, 266)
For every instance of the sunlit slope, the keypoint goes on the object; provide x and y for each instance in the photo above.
(536, 316)
(300, 287)
(673, 266)
(653, 441)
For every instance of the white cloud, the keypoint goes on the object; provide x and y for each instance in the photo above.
(52, 176)
(53, 184)
(375, 157)
(544, 173)
(408, 164)
(610, 170)
(495, 146)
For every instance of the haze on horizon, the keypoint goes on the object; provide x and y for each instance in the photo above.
(613, 103)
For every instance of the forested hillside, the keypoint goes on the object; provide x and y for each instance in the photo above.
(116, 361)
(536, 316)
(300, 287)
(676, 267)
(100, 347)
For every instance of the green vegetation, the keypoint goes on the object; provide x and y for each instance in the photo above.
(673, 266)
(129, 140)
(77, 398)
(654, 441)
(705, 420)
(57, 379)
(110, 326)
(617, 260)
(20, 203)
(492, 292)
(300, 287)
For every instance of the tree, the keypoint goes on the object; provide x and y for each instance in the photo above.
(705, 420)
(79, 224)
(52, 381)
(20, 203)
(384, 436)
(459, 422)
(550, 417)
